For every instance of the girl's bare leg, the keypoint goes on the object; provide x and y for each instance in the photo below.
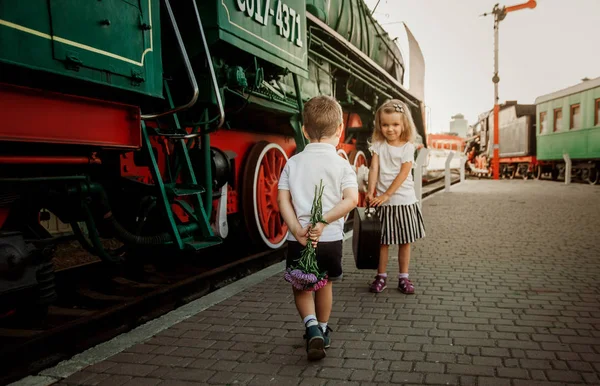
(403, 257)
(404, 284)
(383, 258)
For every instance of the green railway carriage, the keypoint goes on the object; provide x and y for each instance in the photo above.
(568, 122)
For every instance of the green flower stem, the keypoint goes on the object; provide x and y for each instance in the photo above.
(308, 261)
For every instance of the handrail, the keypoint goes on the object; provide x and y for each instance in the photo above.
(210, 66)
(418, 177)
(188, 67)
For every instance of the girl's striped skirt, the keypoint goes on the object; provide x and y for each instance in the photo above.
(401, 224)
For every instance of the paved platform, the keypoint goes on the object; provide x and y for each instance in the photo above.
(507, 293)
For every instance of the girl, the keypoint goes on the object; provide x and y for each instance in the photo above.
(390, 176)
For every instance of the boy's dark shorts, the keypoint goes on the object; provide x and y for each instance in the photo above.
(329, 257)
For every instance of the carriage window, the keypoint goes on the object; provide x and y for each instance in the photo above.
(597, 118)
(542, 122)
(575, 117)
(557, 119)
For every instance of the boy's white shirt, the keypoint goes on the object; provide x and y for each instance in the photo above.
(391, 159)
(304, 171)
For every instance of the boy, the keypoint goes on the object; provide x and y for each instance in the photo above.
(323, 125)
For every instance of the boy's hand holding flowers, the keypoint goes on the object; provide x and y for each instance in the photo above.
(301, 234)
(316, 231)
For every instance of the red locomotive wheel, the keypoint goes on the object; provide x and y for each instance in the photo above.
(261, 211)
(358, 159)
(343, 154)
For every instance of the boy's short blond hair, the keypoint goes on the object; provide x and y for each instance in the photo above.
(322, 116)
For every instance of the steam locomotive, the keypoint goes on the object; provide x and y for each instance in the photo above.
(165, 124)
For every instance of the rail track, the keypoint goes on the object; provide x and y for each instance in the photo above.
(95, 306)
(95, 303)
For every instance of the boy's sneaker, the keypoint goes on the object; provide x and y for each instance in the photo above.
(327, 337)
(315, 343)
(406, 286)
(379, 284)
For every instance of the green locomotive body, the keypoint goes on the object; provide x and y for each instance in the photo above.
(111, 42)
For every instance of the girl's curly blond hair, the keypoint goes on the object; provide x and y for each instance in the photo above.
(409, 131)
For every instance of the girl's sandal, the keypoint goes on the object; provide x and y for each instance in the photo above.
(379, 284)
(406, 286)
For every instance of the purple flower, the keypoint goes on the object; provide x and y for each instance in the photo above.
(311, 278)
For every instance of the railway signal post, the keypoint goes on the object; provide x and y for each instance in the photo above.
(499, 15)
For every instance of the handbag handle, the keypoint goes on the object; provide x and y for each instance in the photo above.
(369, 211)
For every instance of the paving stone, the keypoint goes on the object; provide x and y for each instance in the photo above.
(260, 380)
(469, 369)
(487, 361)
(115, 380)
(535, 364)
(563, 376)
(131, 369)
(591, 378)
(229, 378)
(402, 366)
(406, 377)
(497, 352)
(441, 379)
(508, 372)
(489, 381)
(335, 373)
(362, 375)
(142, 382)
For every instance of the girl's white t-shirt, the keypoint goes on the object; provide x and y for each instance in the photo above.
(391, 159)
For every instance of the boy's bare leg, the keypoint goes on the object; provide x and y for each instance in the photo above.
(403, 257)
(304, 303)
(383, 258)
(324, 302)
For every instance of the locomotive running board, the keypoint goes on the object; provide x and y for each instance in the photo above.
(32, 115)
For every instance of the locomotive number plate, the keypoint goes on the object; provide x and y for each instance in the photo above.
(274, 30)
(283, 16)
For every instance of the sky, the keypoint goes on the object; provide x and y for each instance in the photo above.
(541, 50)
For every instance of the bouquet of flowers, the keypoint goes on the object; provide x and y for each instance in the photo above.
(305, 275)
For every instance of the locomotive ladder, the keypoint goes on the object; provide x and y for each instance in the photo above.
(169, 192)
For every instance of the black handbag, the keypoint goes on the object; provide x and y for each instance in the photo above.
(366, 238)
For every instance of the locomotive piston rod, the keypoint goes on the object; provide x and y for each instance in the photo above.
(49, 160)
